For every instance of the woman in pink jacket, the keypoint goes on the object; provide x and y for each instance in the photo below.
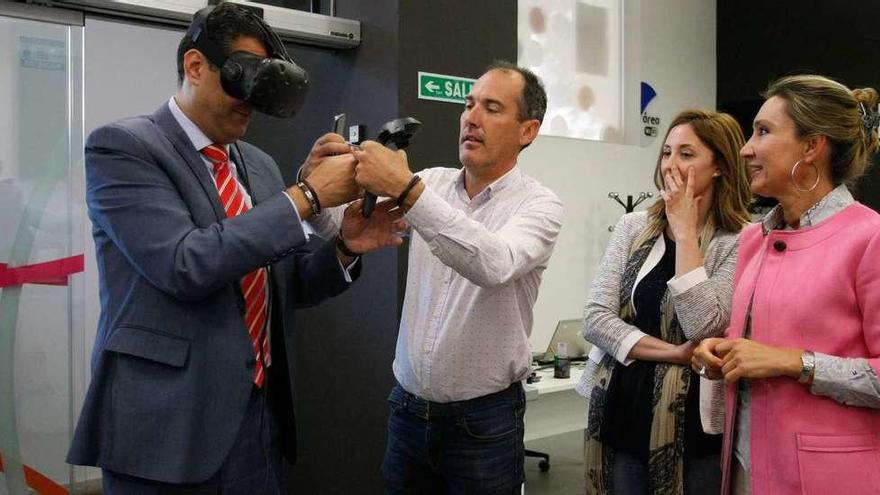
(802, 353)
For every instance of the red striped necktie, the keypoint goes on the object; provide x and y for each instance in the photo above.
(254, 284)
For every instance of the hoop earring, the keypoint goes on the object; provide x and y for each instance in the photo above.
(793, 181)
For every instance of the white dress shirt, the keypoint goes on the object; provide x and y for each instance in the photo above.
(474, 270)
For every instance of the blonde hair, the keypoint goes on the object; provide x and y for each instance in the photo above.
(821, 106)
(730, 200)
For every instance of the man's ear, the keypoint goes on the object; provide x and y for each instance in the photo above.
(194, 66)
(528, 131)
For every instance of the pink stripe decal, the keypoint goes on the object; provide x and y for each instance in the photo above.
(53, 272)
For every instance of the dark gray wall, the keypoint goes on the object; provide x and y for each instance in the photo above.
(345, 347)
(451, 37)
(759, 41)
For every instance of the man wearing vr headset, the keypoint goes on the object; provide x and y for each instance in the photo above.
(201, 258)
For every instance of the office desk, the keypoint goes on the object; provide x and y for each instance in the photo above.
(552, 405)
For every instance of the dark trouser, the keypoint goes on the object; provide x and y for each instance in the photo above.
(253, 466)
(702, 475)
(473, 446)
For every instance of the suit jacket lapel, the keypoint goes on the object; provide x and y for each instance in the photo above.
(178, 138)
(252, 176)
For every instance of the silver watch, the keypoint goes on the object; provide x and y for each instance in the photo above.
(808, 359)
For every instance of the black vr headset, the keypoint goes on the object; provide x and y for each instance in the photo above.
(274, 85)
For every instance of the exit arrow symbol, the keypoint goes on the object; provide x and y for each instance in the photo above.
(432, 86)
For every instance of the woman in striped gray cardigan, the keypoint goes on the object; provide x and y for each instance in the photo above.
(664, 284)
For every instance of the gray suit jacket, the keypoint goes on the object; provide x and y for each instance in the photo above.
(172, 365)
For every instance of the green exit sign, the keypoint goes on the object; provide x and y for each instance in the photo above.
(440, 87)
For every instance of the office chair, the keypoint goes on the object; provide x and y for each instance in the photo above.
(544, 463)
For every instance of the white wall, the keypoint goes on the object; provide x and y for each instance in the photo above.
(676, 55)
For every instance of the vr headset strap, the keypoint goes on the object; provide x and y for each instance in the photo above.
(198, 33)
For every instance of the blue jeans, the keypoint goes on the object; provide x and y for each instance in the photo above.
(473, 446)
(702, 475)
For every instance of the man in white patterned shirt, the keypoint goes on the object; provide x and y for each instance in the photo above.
(482, 238)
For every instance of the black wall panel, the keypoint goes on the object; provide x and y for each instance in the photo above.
(450, 37)
(345, 346)
(759, 41)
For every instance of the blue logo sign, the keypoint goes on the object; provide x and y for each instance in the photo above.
(650, 123)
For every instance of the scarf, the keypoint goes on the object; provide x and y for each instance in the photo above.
(666, 447)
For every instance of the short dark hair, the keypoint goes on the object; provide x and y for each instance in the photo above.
(226, 23)
(533, 101)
